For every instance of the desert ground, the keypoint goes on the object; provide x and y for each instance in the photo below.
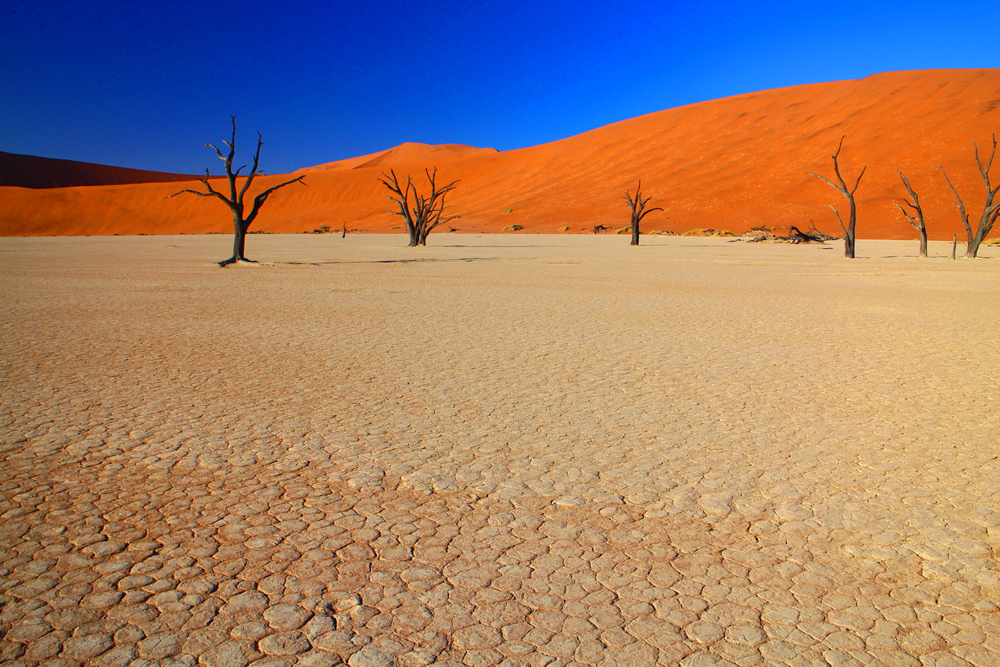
(498, 449)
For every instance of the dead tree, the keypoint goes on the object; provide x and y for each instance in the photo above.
(241, 222)
(991, 210)
(639, 210)
(421, 214)
(917, 218)
(849, 194)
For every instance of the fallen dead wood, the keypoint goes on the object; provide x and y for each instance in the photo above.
(795, 235)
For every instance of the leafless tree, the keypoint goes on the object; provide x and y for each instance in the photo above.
(421, 214)
(241, 222)
(849, 194)
(991, 210)
(917, 217)
(639, 211)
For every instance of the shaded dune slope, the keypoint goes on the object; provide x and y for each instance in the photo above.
(732, 163)
(29, 171)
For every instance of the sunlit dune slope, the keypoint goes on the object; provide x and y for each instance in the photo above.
(404, 154)
(733, 163)
(28, 171)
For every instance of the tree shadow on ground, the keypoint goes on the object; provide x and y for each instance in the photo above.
(388, 261)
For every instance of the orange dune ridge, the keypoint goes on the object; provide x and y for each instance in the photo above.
(732, 164)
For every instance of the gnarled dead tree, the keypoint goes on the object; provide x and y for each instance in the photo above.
(917, 217)
(849, 194)
(241, 222)
(421, 214)
(639, 210)
(991, 210)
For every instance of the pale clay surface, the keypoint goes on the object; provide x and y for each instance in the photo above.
(528, 450)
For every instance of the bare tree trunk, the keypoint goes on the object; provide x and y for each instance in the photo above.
(849, 229)
(239, 241)
(850, 236)
(343, 234)
(954, 244)
(916, 220)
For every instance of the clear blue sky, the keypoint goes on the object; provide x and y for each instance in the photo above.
(145, 85)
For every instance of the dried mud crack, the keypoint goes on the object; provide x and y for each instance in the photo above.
(524, 491)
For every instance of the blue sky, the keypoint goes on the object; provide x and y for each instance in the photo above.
(146, 85)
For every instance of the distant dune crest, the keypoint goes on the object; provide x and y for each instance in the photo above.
(728, 164)
(406, 153)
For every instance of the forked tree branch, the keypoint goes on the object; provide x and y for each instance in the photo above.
(253, 171)
(986, 171)
(992, 209)
(842, 188)
(958, 203)
(917, 221)
(212, 192)
(638, 204)
(259, 200)
(839, 219)
(906, 214)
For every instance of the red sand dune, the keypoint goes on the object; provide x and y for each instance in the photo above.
(28, 171)
(732, 163)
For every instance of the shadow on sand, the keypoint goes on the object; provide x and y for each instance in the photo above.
(388, 261)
